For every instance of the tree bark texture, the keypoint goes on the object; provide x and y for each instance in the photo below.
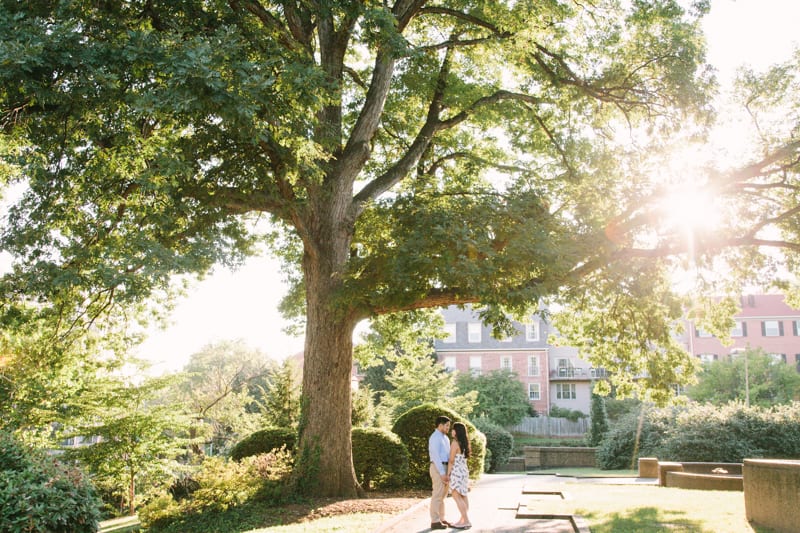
(328, 360)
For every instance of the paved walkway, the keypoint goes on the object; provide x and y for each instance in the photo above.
(494, 500)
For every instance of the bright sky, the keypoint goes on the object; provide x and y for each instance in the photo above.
(243, 304)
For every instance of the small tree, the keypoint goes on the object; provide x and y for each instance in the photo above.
(501, 396)
(599, 422)
(363, 407)
(280, 403)
(770, 381)
(422, 380)
(136, 439)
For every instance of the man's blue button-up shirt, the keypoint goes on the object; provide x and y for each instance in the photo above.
(439, 450)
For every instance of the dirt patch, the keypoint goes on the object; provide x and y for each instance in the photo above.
(375, 502)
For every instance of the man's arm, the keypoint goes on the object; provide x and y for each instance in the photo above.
(434, 452)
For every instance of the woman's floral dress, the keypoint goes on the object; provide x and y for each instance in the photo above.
(459, 477)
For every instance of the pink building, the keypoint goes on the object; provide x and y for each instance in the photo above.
(765, 322)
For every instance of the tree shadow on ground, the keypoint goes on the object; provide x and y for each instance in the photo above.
(646, 520)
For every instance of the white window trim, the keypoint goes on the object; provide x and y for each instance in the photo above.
(768, 331)
(474, 332)
(532, 332)
(534, 367)
(534, 391)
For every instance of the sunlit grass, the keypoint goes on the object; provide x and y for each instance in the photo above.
(648, 508)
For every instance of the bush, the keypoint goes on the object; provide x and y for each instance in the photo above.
(224, 484)
(705, 433)
(264, 441)
(573, 415)
(38, 493)
(415, 426)
(379, 457)
(499, 443)
(619, 449)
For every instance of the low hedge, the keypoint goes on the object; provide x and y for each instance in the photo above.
(380, 458)
(264, 441)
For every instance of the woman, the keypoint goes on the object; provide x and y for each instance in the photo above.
(458, 472)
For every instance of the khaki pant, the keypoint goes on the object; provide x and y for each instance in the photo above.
(437, 498)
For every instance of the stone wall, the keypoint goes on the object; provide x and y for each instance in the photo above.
(771, 491)
(553, 456)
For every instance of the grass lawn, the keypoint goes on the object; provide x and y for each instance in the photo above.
(646, 509)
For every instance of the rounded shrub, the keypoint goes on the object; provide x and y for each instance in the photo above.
(620, 448)
(379, 457)
(499, 443)
(38, 493)
(264, 441)
(415, 426)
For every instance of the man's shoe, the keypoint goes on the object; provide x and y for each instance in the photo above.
(446, 523)
(438, 525)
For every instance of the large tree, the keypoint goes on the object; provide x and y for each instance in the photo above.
(412, 154)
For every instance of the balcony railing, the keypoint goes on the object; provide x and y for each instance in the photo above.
(576, 372)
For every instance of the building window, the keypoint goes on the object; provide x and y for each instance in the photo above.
(475, 365)
(533, 365)
(701, 333)
(796, 327)
(474, 332)
(778, 357)
(532, 331)
(772, 328)
(707, 357)
(534, 391)
(505, 363)
(739, 330)
(797, 361)
(450, 333)
(565, 391)
(450, 364)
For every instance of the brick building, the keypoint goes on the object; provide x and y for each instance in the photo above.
(766, 321)
(551, 375)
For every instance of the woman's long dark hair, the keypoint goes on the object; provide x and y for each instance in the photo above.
(462, 438)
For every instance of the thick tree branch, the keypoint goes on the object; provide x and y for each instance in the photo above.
(272, 23)
(466, 17)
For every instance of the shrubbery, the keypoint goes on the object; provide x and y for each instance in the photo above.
(380, 459)
(37, 493)
(499, 443)
(264, 441)
(727, 434)
(223, 484)
(416, 425)
(573, 415)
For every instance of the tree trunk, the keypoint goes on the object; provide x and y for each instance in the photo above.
(132, 493)
(325, 452)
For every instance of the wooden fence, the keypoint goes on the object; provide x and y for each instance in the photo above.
(550, 426)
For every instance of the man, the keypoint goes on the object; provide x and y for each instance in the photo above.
(439, 452)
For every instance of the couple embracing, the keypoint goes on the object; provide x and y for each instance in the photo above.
(449, 467)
